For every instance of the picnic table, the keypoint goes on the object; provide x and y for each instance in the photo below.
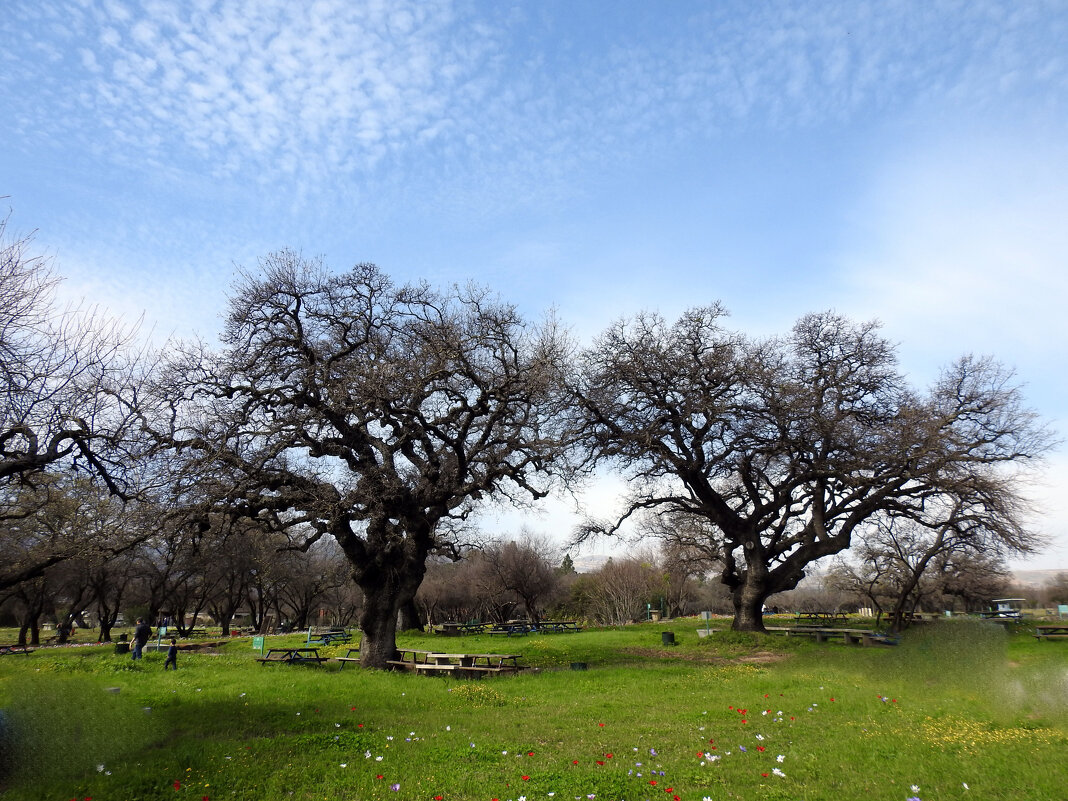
(849, 636)
(469, 665)
(14, 649)
(819, 618)
(305, 656)
(333, 637)
(348, 657)
(1051, 631)
(557, 626)
(408, 658)
(452, 629)
(512, 627)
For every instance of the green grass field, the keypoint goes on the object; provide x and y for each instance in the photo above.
(959, 710)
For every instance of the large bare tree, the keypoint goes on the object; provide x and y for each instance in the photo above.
(782, 449)
(61, 370)
(347, 406)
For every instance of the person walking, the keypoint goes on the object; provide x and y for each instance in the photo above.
(142, 632)
(172, 655)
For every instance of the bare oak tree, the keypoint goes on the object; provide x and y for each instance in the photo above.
(347, 406)
(782, 449)
(60, 372)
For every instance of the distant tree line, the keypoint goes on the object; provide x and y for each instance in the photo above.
(344, 415)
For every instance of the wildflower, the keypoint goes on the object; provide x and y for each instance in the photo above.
(760, 736)
(780, 757)
(344, 764)
(177, 785)
(778, 773)
(394, 787)
(525, 778)
(915, 788)
(742, 748)
(965, 785)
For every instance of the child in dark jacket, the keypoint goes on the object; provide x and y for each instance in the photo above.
(172, 655)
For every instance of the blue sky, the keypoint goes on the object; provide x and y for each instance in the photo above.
(905, 161)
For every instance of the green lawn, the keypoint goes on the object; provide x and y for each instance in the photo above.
(960, 710)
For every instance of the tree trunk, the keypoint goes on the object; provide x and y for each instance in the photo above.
(388, 586)
(106, 620)
(750, 592)
(410, 617)
(748, 608)
(379, 626)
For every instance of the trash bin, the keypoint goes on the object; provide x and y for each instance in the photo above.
(668, 637)
(122, 647)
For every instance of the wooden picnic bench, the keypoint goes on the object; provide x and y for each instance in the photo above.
(348, 657)
(849, 636)
(291, 656)
(408, 658)
(469, 665)
(1051, 631)
(15, 649)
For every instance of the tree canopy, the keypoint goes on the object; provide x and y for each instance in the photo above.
(344, 405)
(771, 454)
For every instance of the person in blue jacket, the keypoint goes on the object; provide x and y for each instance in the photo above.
(172, 655)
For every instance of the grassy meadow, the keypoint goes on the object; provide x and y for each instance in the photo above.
(959, 710)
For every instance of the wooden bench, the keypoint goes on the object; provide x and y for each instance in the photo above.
(431, 667)
(348, 657)
(849, 636)
(469, 665)
(1056, 631)
(408, 658)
